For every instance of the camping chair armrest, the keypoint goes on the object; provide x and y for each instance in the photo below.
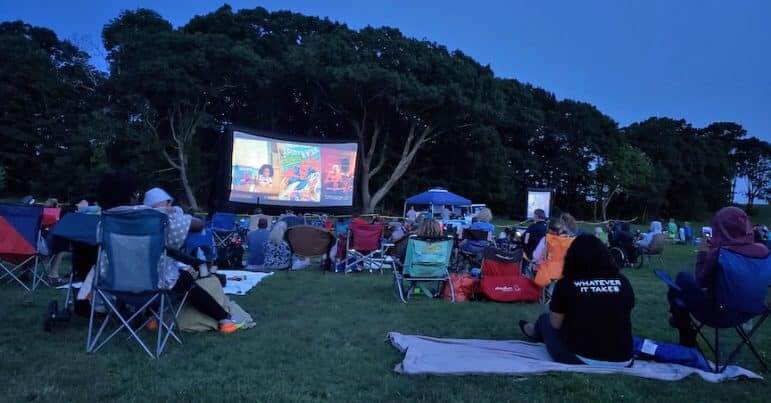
(181, 257)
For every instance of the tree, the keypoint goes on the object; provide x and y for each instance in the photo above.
(41, 108)
(753, 162)
(2, 178)
(626, 168)
(168, 79)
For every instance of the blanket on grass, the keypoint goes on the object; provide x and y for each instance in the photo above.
(241, 281)
(429, 355)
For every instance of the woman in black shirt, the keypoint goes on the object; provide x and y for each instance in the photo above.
(590, 312)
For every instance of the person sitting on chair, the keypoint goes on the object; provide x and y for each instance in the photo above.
(732, 230)
(589, 320)
(534, 233)
(549, 255)
(177, 277)
(570, 224)
(483, 223)
(647, 238)
(430, 228)
(256, 241)
(622, 238)
(278, 255)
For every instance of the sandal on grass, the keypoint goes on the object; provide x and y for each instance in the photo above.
(522, 324)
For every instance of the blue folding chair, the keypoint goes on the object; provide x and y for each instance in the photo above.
(19, 241)
(129, 273)
(741, 297)
(223, 226)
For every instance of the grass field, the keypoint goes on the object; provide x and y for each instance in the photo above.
(322, 337)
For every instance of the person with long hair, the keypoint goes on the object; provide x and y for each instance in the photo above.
(589, 320)
(430, 228)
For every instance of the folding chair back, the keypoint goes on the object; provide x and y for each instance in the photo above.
(131, 258)
(427, 258)
(742, 282)
(308, 240)
(477, 235)
(741, 288)
(502, 278)
(133, 244)
(657, 244)
(19, 230)
(19, 240)
(366, 237)
(223, 221)
(551, 269)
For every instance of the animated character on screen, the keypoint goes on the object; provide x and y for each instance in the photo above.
(334, 177)
(265, 177)
(302, 187)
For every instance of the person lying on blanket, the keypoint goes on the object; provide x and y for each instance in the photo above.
(179, 278)
(590, 312)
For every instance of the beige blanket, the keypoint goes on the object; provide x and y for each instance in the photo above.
(191, 320)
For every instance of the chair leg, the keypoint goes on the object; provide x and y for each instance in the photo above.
(717, 351)
(452, 291)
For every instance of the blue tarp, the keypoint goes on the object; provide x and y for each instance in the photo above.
(438, 197)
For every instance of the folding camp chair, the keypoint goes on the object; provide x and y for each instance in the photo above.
(741, 297)
(129, 273)
(427, 260)
(223, 226)
(310, 241)
(741, 288)
(469, 257)
(19, 241)
(655, 250)
(365, 247)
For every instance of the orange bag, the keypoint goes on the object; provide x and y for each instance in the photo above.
(465, 288)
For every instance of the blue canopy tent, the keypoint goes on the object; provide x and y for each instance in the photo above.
(436, 197)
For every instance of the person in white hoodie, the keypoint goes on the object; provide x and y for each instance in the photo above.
(177, 277)
(647, 238)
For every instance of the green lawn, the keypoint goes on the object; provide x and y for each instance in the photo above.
(322, 337)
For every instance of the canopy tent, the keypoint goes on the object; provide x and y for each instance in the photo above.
(436, 197)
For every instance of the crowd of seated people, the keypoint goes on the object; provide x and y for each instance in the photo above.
(117, 192)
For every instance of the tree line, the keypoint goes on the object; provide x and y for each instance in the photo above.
(423, 116)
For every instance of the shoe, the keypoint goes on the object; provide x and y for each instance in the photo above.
(228, 327)
(522, 324)
(152, 325)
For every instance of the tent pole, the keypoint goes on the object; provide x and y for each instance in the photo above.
(404, 210)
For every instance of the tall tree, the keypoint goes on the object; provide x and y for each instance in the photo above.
(168, 79)
(753, 162)
(48, 90)
(626, 168)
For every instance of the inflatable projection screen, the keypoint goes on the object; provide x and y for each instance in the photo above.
(272, 170)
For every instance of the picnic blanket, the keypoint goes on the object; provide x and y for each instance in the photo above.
(241, 281)
(429, 355)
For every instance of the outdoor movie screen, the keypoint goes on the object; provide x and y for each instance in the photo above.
(287, 173)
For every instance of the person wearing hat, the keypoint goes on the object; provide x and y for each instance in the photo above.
(180, 279)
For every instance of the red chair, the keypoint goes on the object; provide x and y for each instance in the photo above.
(365, 247)
(19, 240)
